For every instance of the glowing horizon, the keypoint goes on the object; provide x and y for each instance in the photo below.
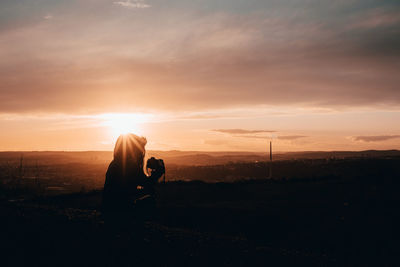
(207, 132)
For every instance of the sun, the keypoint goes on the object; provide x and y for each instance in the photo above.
(123, 123)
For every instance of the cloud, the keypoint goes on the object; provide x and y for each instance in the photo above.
(224, 56)
(132, 4)
(242, 131)
(255, 136)
(291, 137)
(282, 137)
(202, 117)
(48, 17)
(374, 138)
(376, 18)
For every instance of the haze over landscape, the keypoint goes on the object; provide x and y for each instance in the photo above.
(200, 75)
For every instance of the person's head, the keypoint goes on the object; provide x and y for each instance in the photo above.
(129, 149)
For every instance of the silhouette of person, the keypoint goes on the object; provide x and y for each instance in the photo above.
(126, 183)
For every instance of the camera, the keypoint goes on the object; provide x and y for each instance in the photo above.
(155, 164)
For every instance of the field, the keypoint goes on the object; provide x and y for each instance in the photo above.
(216, 209)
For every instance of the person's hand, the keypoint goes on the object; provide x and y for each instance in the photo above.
(162, 167)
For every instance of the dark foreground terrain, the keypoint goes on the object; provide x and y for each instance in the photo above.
(344, 217)
(312, 223)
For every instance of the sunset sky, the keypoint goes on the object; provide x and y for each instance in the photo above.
(200, 75)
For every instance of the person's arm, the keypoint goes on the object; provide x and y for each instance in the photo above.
(157, 174)
(107, 197)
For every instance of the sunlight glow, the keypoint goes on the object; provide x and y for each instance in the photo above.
(123, 123)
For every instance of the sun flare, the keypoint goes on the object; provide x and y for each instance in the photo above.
(124, 123)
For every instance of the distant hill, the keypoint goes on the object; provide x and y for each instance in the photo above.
(189, 158)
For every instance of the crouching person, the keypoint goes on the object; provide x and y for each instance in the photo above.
(129, 194)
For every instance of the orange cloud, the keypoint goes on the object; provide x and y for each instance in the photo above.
(242, 131)
(375, 138)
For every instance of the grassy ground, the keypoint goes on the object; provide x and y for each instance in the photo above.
(331, 222)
